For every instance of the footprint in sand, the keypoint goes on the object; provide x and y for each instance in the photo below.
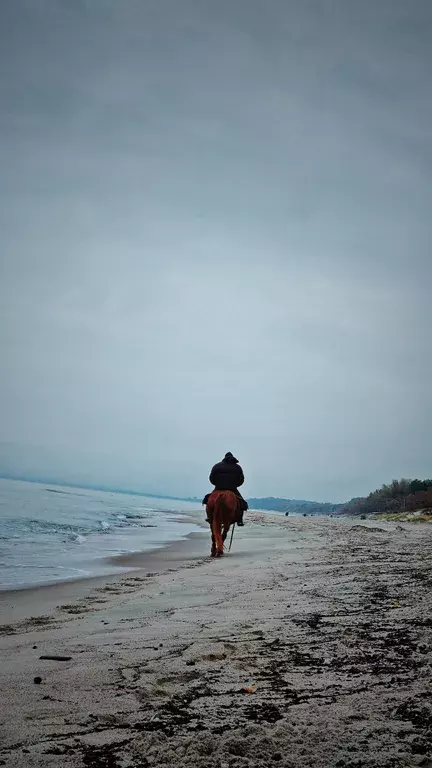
(75, 608)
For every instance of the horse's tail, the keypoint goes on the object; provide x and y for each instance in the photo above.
(220, 508)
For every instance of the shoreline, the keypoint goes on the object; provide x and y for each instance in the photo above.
(17, 604)
(123, 562)
(49, 539)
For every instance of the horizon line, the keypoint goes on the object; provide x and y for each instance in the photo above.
(133, 492)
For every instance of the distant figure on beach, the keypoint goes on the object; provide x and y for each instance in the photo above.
(227, 475)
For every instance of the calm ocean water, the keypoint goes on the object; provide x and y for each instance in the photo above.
(50, 533)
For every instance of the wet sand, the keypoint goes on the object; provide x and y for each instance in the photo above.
(327, 623)
(18, 604)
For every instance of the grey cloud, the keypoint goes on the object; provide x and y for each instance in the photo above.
(215, 235)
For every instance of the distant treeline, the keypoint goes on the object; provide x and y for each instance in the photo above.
(398, 496)
(294, 506)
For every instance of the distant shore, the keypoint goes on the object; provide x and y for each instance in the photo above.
(59, 483)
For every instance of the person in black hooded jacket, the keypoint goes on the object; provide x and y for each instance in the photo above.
(227, 475)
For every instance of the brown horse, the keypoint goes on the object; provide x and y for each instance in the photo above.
(222, 511)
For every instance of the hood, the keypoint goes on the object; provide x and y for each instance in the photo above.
(229, 458)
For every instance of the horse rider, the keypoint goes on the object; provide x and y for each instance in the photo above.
(227, 475)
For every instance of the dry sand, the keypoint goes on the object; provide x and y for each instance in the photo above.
(330, 620)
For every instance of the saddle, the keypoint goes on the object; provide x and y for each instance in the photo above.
(243, 505)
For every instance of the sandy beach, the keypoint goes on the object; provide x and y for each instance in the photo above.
(310, 644)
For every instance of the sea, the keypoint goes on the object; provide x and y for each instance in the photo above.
(52, 533)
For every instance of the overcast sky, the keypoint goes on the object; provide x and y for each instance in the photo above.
(215, 229)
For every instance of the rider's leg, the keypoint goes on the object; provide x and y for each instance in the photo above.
(240, 508)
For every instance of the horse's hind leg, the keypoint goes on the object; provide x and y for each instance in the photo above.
(217, 528)
(210, 513)
(220, 544)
